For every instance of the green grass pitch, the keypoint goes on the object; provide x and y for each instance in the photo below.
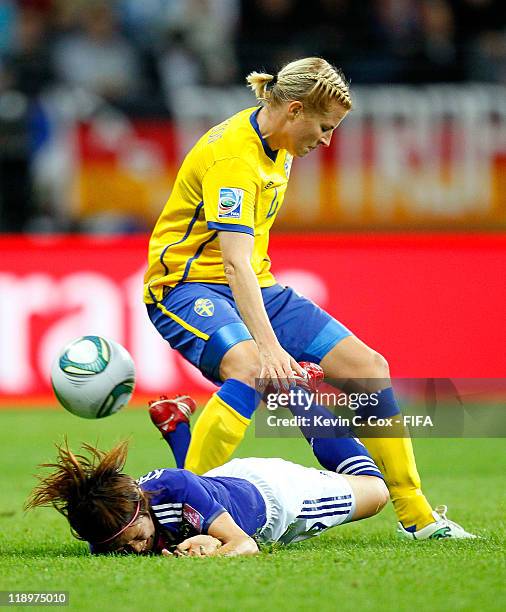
(362, 566)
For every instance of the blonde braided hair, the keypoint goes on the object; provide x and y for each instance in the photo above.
(312, 80)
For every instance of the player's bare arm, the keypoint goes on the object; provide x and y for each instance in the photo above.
(227, 539)
(235, 541)
(275, 362)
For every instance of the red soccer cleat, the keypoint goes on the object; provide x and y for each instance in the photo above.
(167, 413)
(314, 376)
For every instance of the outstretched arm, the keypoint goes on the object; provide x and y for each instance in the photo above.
(237, 249)
(234, 540)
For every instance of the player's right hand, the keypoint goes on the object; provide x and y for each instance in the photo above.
(278, 367)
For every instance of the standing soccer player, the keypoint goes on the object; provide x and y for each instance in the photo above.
(211, 295)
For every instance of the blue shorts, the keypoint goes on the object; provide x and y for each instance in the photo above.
(201, 321)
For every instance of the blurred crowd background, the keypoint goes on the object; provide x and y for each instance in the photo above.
(67, 62)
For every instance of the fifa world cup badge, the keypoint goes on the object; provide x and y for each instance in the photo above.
(230, 203)
(193, 517)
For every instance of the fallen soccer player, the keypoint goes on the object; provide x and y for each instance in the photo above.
(228, 511)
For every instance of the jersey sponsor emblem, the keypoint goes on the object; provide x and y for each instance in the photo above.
(230, 203)
(193, 517)
(204, 307)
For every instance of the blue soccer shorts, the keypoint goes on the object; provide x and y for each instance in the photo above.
(201, 321)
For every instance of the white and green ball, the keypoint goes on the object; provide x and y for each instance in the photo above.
(93, 377)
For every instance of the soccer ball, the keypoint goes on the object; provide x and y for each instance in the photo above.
(93, 377)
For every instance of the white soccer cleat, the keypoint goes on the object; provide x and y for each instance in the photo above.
(442, 528)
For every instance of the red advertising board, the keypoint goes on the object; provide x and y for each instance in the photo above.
(434, 305)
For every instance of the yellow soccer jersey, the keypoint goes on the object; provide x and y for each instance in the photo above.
(230, 181)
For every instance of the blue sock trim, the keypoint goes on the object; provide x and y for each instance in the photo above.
(336, 447)
(239, 396)
(344, 455)
(324, 341)
(218, 344)
(385, 405)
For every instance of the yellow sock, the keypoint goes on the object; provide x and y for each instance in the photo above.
(215, 436)
(395, 458)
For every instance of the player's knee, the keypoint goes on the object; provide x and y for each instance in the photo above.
(374, 365)
(371, 495)
(382, 496)
(241, 362)
(246, 372)
(376, 497)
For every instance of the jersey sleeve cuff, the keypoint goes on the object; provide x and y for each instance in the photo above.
(210, 520)
(230, 227)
